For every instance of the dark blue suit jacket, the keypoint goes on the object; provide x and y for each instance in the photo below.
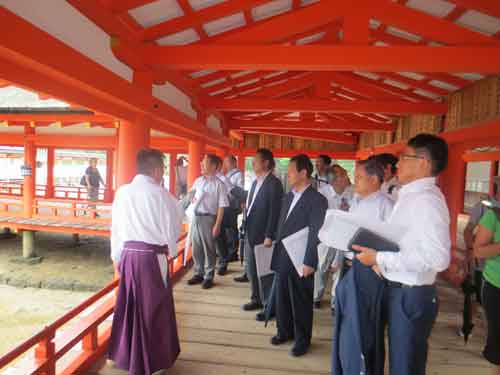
(309, 211)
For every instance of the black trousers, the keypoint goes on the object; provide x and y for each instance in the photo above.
(226, 242)
(294, 306)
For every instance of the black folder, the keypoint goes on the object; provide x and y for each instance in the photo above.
(367, 238)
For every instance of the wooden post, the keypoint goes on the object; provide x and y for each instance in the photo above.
(171, 173)
(196, 151)
(131, 138)
(49, 192)
(108, 192)
(493, 174)
(29, 180)
(45, 352)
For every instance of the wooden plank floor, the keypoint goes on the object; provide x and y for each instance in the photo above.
(218, 338)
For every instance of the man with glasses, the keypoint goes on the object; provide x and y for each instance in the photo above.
(410, 298)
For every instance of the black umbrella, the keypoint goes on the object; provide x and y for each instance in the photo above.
(468, 289)
(269, 310)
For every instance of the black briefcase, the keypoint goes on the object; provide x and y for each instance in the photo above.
(367, 238)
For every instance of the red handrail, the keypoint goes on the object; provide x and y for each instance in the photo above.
(46, 352)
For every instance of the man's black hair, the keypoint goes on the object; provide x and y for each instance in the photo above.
(433, 148)
(268, 156)
(373, 167)
(302, 162)
(148, 159)
(387, 159)
(326, 159)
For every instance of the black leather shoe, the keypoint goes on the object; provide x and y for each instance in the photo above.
(242, 279)
(222, 271)
(207, 284)
(260, 317)
(278, 340)
(234, 258)
(250, 306)
(317, 304)
(299, 350)
(196, 279)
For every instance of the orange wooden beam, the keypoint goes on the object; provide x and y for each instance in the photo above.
(198, 18)
(339, 155)
(122, 6)
(310, 134)
(63, 118)
(489, 7)
(429, 27)
(292, 85)
(329, 106)
(481, 156)
(339, 125)
(327, 58)
(278, 28)
(34, 59)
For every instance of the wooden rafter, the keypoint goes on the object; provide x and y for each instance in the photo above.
(489, 7)
(323, 105)
(326, 58)
(339, 125)
(309, 134)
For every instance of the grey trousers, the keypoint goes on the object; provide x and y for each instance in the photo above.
(325, 259)
(204, 253)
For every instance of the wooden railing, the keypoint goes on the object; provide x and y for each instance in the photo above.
(72, 210)
(10, 206)
(61, 192)
(53, 342)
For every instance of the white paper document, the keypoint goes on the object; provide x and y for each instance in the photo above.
(295, 245)
(263, 256)
(340, 226)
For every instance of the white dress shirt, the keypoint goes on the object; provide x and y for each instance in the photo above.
(335, 201)
(225, 181)
(376, 205)
(296, 196)
(235, 178)
(144, 211)
(260, 181)
(210, 195)
(425, 249)
(386, 186)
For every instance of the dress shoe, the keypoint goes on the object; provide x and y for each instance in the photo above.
(207, 284)
(278, 340)
(234, 258)
(242, 279)
(299, 350)
(250, 306)
(222, 270)
(196, 279)
(260, 317)
(317, 304)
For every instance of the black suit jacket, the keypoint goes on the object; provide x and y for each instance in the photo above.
(262, 220)
(309, 212)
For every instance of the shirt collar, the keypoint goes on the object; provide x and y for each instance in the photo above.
(140, 178)
(263, 177)
(299, 193)
(372, 196)
(418, 185)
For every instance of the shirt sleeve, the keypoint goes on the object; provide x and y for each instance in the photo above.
(116, 240)
(239, 180)
(171, 219)
(429, 248)
(489, 220)
(222, 193)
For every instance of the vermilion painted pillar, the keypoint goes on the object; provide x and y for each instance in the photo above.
(49, 192)
(493, 174)
(196, 151)
(108, 192)
(171, 173)
(29, 181)
(131, 138)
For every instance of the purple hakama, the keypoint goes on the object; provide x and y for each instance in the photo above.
(144, 333)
